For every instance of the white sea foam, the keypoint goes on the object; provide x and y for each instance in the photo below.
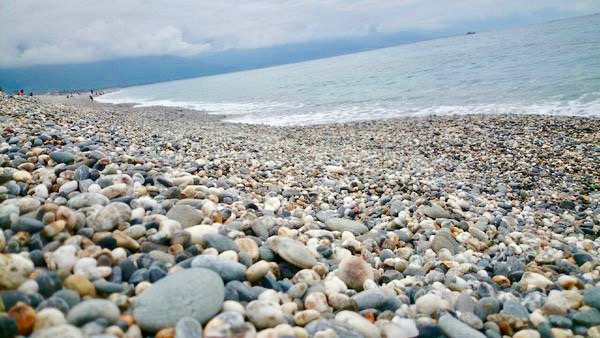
(281, 114)
(570, 108)
(221, 108)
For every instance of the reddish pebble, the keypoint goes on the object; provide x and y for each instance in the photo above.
(25, 317)
(168, 332)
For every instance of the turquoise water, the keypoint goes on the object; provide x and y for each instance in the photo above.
(552, 68)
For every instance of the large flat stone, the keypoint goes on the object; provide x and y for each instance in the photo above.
(196, 293)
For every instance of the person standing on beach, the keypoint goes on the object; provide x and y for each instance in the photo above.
(91, 98)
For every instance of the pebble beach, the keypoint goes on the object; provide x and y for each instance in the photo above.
(164, 222)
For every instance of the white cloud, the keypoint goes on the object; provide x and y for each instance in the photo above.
(64, 31)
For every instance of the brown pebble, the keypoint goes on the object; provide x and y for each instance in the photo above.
(354, 271)
(37, 151)
(168, 332)
(216, 217)
(81, 285)
(248, 246)
(24, 316)
(554, 309)
(505, 327)
(370, 315)
(321, 269)
(175, 249)
(127, 318)
(66, 214)
(501, 280)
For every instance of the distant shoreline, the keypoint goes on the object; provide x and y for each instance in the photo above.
(82, 99)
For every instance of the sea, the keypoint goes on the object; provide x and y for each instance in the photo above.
(548, 69)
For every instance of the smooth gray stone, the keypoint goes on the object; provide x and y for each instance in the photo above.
(87, 199)
(111, 216)
(486, 306)
(262, 225)
(515, 309)
(104, 286)
(454, 328)
(188, 327)
(227, 269)
(342, 224)
(231, 322)
(292, 252)
(186, 215)
(5, 214)
(444, 239)
(28, 224)
(588, 318)
(480, 235)
(94, 328)
(71, 297)
(324, 215)
(62, 157)
(163, 257)
(369, 299)
(591, 297)
(560, 321)
(396, 207)
(93, 309)
(196, 293)
(341, 329)
(220, 242)
(465, 303)
(434, 211)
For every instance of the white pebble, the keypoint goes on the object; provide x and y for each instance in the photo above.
(94, 188)
(49, 317)
(68, 187)
(428, 304)
(230, 305)
(29, 287)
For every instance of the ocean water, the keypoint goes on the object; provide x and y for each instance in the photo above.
(551, 68)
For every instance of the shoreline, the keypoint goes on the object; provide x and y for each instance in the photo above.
(468, 225)
(84, 102)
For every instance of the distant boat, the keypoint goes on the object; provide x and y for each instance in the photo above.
(470, 33)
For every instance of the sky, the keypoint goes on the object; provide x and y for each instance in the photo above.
(34, 32)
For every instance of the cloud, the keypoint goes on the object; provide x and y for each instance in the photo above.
(65, 31)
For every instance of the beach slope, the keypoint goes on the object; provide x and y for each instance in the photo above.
(400, 227)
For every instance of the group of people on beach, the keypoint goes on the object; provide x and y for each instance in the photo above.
(20, 92)
(91, 95)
